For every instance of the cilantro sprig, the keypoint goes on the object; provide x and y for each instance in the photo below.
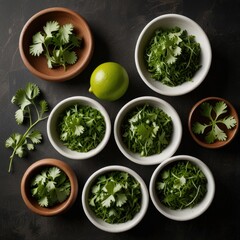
(181, 185)
(172, 56)
(147, 130)
(50, 187)
(57, 43)
(26, 100)
(215, 119)
(81, 128)
(115, 197)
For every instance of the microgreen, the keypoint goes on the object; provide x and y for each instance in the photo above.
(26, 100)
(115, 197)
(181, 185)
(147, 130)
(215, 116)
(81, 128)
(50, 186)
(172, 56)
(57, 43)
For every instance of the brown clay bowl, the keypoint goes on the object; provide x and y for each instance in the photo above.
(36, 168)
(38, 65)
(195, 116)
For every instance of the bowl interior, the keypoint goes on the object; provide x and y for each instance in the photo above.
(169, 21)
(53, 134)
(187, 213)
(175, 139)
(195, 116)
(38, 65)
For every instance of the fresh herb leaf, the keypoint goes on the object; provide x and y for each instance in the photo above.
(26, 100)
(115, 197)
(147, 130)
(181, 185)
(57, 43)
(172, 56)
(215, 117)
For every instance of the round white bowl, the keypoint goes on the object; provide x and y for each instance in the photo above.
(99, 223)
(187, 213)
(170, 21)
(176, 135)
(54, 136)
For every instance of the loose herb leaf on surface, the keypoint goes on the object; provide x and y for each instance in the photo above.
(147, 130)
(215, 117)
(81, 128)
(50, 187)
(29, 107)
(115, 197)
(57, 43)
(181, 185)
(172, 56)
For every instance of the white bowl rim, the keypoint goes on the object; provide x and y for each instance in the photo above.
(74, 154)
(99, 223)
(190, 213)
(167, 152)
(187, 86)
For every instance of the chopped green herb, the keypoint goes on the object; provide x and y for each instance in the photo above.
(81, 128)
(115, 197)
(181, 185)
(147, 130)
(50, 187)
(26, 100)
(172, 56)
(215, 117)
(57, 43)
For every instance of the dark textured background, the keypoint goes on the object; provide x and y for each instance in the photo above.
(116, 25)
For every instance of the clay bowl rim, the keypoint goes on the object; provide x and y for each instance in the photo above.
(57, 74)
(216, 144)
(35, 168)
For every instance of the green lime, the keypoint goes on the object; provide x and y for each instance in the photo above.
(109, 81)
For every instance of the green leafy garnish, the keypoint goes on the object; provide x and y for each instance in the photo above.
(181, 185)
(50, 187)
(172, 56)
(147, 130)
(115, 197)
(214, 119)
(81, 128)
(26, 100)
(57, 43)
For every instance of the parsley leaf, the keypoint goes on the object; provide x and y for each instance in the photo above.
(26, 100)
(215, 117)
(57, 43)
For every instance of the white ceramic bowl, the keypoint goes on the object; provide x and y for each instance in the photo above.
(54, 136)
(187, 213)
(99, 223)
(176, 135)
(170, 21)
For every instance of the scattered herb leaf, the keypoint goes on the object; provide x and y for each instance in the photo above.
(181, 185)
(147, 130)
(115, 197)
(172, 56)
(26, 100)
(214, 118)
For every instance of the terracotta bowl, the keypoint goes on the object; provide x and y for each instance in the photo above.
(34, 169)
(195, 116)
(38, 65)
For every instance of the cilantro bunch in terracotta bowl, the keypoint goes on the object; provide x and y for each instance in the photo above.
(213, 122)
(49, 187)
(56, 44)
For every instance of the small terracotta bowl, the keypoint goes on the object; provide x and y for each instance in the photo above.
(38, 65)
(36, 168)
(195, 116)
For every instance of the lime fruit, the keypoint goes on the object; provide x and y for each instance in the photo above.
(109, 81)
